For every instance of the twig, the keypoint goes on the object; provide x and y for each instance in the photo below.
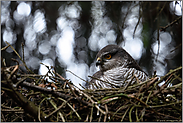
(23, 50)
(156, 106)
(20, 58)
(125, 114)
(143, 113)
(173, 22)
(57, 109)
(158, 41)
(95, 103)
(124, 106)
(180, 79)
(86, 118)
(140, 15)
(136, 114)
(13, 71)
(105, 117)
(100, 117)
(3, 116)
(54, 105)
(171, 71)
(4, 48)
(71, 107)
(176, 47)
(70, 86)
(91, 114)
(56, 93)
(59, 75)
(35, 87)
(39, 110)
(20, 81)
(160, 11)
(128, 10)
(140, 101)
(40, 76)
(76, 75)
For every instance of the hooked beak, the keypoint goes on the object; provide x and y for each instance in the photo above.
(99, 61)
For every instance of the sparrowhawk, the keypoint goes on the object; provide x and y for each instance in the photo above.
(117, 68)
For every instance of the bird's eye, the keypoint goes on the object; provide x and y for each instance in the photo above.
(108, 56)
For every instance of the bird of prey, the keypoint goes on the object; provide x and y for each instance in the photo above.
(117, 69)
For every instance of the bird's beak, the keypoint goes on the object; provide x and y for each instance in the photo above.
(99, 61)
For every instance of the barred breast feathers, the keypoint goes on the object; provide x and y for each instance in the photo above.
(119, 77)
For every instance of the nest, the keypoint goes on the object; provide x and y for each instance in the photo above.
(30, 97)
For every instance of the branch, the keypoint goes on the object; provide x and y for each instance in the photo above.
(27, 105)
(173, 22)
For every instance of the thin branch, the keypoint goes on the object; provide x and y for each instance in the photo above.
(140, 15)
(173, 22)
(20, 58)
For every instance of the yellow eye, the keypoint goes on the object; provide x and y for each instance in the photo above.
(108, 56)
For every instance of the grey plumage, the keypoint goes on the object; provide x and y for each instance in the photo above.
(117, 68)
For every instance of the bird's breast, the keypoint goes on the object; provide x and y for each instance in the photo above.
(120, 76)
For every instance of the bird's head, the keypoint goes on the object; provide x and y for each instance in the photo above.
(113, 56)
(110, 57)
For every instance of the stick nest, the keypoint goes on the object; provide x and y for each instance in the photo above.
(50, 97)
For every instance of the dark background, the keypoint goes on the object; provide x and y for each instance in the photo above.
(150, 17)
